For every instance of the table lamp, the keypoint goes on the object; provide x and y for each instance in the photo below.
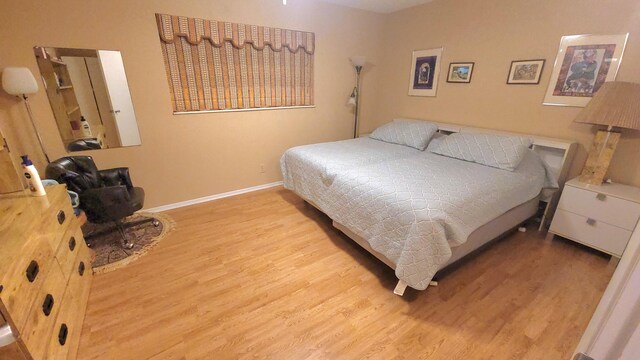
(616, 105)
(19, 81)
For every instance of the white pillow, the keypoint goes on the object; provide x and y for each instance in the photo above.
(435, 140)
(415, 134)
(499, 151)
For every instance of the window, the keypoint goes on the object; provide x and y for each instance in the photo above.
(215, 65)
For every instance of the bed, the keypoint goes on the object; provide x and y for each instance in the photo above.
(417, 211)
(310, 170)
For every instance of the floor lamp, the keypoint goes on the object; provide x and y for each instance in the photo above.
(616, 105)
(19, 81)
(354, 100)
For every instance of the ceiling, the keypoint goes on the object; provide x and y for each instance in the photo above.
(380, 6)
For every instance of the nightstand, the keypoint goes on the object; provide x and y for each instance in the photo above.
(599, 216)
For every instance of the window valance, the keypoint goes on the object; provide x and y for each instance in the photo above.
(215, 65)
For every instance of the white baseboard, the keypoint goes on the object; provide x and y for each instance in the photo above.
(213, 197)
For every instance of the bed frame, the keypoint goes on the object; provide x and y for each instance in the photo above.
(557, 153)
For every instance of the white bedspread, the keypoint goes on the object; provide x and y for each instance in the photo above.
(410, 206)
(310, 169)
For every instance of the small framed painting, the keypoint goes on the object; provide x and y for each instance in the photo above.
(525, 72)
(460, 72)
(583, 64)
(425, 68)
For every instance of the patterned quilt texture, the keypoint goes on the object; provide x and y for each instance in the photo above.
(412, 206)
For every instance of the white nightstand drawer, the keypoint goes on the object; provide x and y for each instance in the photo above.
(606, 208)
(597, 234)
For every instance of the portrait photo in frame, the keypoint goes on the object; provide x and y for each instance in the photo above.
(460, 72)
(525, 72)
(425, 68)
(583, 64)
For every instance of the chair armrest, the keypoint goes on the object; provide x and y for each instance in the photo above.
(116, 176)
(105, 204)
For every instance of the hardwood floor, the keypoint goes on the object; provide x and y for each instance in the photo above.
(263, 276)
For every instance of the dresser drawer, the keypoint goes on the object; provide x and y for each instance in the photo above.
(55, 222)
(612, 210)
(39, 327)
(68, 248)
(23, 280)
(82, 274)
(64, 341)
(596, 234)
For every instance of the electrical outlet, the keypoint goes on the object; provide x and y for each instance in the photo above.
(262, 168)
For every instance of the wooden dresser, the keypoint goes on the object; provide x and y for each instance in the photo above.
(45, 276)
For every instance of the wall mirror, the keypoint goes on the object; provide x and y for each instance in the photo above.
(89, 96)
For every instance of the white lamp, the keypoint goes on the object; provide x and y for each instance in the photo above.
(358, 60)
(19, 81)
(354, 100)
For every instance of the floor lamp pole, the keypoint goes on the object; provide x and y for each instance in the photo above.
(356, 91)
(26, 103)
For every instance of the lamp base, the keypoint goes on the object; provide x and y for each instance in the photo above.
(600, 154)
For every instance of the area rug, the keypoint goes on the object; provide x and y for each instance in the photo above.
(110, 255)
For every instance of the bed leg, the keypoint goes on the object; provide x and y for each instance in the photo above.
(400, 288)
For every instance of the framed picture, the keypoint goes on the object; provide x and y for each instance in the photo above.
(460, 72)
(525, 72)
(425, 68)
(583, 64)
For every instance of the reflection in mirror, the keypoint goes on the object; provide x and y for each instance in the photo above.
(89, 96)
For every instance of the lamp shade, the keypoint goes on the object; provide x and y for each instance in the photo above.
(18, 81)
(616, 104)
(358, 60)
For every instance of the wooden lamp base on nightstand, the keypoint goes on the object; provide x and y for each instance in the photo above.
(600, 154)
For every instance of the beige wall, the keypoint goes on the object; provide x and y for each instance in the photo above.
(492, 33)
(189, 156)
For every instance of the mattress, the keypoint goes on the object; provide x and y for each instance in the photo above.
(477, 239)
(412, 207)
(310, 169)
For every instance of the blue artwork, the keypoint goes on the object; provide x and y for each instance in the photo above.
(460, 73)
(425, 72)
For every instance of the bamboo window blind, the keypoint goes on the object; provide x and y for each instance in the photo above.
(215, 65)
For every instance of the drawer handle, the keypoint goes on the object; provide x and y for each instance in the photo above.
(32, 270)
(601, 197)
(47, 305)
(62, 334)
(591, 222)
(81, 268)
(61, 217)
(72, 243)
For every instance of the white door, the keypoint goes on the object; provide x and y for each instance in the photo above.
(118, 89)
